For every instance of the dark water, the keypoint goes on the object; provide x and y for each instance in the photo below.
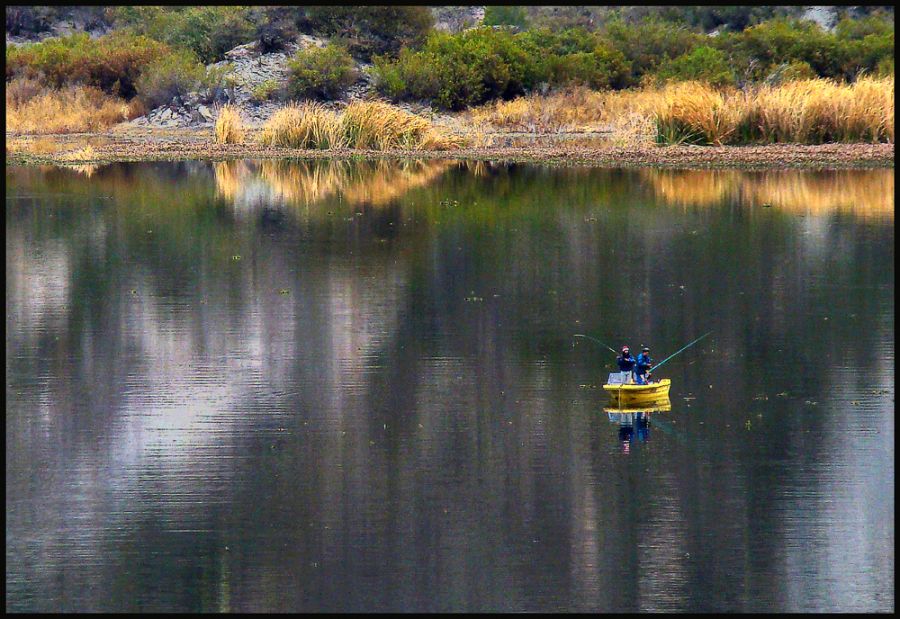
(291, 386)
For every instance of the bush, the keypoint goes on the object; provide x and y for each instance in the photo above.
(456, 71)
(168, 77)
(371, 30)
(218, 83)
(264, 91)
(505, 16)
(112, 63)
(472, 67)
(320, 73)
(25, 19)
(650, 43)
(208, 31)
(791, 72)
(275, 27)
(704, 64)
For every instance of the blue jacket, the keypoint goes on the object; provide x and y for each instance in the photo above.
(626, 364)
(643, 363)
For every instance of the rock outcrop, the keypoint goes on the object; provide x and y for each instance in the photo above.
(249, 68)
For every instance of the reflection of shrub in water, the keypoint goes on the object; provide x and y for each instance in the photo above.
(372, 182)
(863, 192)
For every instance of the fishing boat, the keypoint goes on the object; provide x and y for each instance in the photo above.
(635, 396)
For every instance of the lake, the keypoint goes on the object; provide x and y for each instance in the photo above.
(352, 385)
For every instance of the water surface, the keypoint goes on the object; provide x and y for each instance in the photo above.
(294, 386)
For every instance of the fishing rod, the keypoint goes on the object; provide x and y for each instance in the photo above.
(657, 366)
(593, 339)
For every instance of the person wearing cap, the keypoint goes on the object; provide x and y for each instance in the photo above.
(642, 366)
(625, 360)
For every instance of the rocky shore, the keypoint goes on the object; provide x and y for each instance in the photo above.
(187, 144)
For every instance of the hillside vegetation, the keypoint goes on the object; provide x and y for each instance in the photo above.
(142, 57)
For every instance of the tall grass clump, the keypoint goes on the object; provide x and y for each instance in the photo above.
(381, 126)
(696, 113)
(306, 125)
(815, 111)
(229, 128)
(75, 109)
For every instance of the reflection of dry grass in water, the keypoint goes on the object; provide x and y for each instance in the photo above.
(230, 177)
(862, 192)
(375, 182)
(85, 170)
(388, 181)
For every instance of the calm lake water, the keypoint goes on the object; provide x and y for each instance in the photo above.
(288, 386)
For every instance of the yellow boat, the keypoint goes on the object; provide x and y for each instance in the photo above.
(634, 396)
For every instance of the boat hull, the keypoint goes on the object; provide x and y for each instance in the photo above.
(639, 395)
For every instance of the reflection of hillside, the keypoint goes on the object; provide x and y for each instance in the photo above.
(865, 193)
(296, 183)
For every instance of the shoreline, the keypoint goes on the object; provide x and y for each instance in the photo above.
(191, 145)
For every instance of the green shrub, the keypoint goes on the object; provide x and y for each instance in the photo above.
(367, 31)
(703, 64)
(173, 75)
(264, 91)
(275, 27)
(208, 31)
(112, 63)
(320, 73)
(796, 70)
(218, 83)
(475, 66)
(648, 44)
(505, 16)
(855, 46)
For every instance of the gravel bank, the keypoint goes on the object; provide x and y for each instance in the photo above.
(159, 145)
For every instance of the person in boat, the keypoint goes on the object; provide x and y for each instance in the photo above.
(625, 360)
(642, 366)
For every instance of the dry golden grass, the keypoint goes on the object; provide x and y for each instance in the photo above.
(76, 109)
(307, 125)
(804, 111)
(229, 128)
(87, 153)
(569, 110)
(381, 126)
(363, 124)
(696, 113)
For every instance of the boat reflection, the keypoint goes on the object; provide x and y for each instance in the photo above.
(634, 423)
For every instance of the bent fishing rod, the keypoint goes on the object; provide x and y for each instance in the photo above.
(593, 339)
(657, 366)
